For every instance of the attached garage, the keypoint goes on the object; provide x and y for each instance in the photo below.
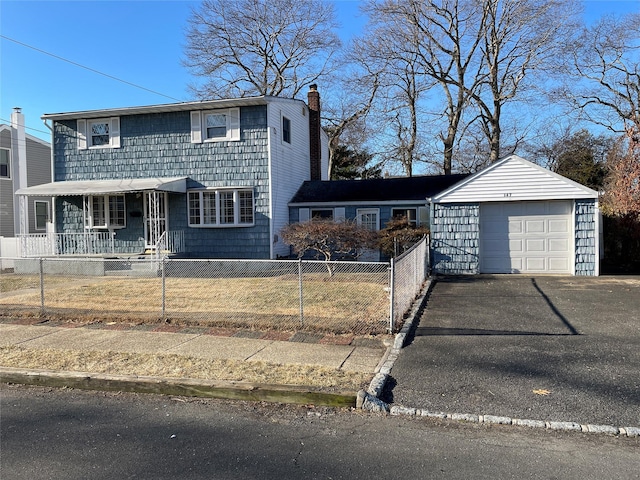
(526, 237)
(515, 217)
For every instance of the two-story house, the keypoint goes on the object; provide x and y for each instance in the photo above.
(202, 179)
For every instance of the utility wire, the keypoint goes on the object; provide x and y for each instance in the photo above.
(87, 68)
(8, 122)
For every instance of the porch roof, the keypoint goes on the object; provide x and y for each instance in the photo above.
(104, 187)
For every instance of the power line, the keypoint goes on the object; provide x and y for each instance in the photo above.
(8, 122)
(87, 68)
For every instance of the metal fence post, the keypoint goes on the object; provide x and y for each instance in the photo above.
(164, 291)
(300, 293)
(391, 295)
(41, 286)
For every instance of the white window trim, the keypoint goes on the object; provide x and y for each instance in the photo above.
(84, 127)
(87, 209)
(236, 207)
(9, 169)
(35, 215)
(199, 125)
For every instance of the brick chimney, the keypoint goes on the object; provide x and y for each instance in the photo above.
(315, 150)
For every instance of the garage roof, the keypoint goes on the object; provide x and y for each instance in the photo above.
(513, 179)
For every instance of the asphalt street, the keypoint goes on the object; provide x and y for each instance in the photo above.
(78, 435)
(544, 348)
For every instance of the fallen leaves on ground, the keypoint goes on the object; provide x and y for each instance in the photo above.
(542, 391)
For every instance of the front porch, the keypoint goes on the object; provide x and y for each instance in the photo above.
(108, 218)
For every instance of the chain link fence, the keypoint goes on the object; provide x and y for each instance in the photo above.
(360, 298)
(408, 273)
(285, 295)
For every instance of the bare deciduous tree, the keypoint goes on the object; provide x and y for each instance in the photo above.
(260, 47)
(346, 110)
(329, 239)
(435, 40)
(482, 54)
(607, 68)
(521, 38)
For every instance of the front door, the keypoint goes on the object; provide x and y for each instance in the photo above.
(155, 217)
(369, 218)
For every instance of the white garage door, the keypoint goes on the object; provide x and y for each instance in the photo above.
(526, 237)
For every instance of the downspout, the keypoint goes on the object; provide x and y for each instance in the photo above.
(53, 199)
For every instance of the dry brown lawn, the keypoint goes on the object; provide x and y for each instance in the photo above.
(176, 366)
(341, 304)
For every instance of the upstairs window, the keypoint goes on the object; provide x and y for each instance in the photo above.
(221, 208)
(215, 125)
(104, 211)
(99, 133)
(5, 170)
(286, 130)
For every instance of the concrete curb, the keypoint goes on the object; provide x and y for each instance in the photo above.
(178, 386)
(370, 399)
(496, 420)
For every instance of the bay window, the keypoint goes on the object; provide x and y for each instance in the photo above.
(221, 208)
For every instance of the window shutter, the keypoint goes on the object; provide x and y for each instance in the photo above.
(423, 216)
(303, 215)
(82, 134)
(234, 123)
(339, 214)
(114, 131)
(196, 127)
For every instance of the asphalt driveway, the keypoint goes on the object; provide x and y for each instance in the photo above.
(542, 348)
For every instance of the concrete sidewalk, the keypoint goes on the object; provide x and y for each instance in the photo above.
(360, 355)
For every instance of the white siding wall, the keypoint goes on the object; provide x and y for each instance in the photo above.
(289, 163)
(515, 179)
(324, 145)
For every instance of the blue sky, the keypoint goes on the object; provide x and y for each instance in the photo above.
(138, 41)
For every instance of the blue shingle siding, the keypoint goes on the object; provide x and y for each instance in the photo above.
(159, 145)
(455, 238)
(585, 232)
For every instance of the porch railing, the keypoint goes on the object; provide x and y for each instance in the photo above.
(91, 243)
(83, 243)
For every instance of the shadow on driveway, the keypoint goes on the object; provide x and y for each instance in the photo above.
(491, 344)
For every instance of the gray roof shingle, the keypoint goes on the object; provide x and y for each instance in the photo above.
(374, 190)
